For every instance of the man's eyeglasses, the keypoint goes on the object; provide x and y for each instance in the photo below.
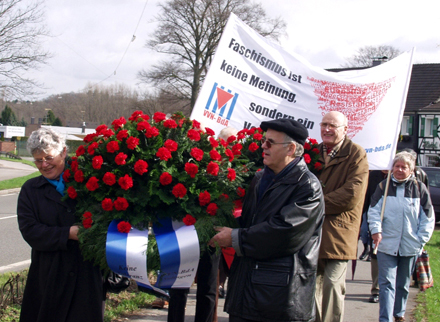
(48, 159)
(330, 126)
(269, 142)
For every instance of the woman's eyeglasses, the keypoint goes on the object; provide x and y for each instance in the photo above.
(269, 142)
(48, 159)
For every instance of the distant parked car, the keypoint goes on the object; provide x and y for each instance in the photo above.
(434, 188)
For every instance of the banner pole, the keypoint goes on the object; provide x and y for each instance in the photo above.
(383, 204)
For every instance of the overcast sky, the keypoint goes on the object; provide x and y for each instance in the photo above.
(91, 40)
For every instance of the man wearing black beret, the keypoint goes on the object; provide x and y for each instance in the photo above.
(273, 274)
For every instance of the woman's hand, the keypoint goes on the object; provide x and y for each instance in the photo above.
(73, 234)
(376, 239)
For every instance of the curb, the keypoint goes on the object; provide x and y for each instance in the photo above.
(9, 191)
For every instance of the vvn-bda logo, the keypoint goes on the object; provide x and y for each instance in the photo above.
(220, 104)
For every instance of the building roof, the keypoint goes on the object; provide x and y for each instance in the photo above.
(424, 88)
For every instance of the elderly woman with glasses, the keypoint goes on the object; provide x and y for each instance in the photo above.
(61, 286)
(406, 226)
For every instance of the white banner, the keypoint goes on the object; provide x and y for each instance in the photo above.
(252, 80)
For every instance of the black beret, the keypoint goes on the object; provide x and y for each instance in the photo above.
(292, 128)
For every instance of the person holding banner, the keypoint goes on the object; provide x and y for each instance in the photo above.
(273, 274)
(399, 234)
(344, 182)
(61, 286)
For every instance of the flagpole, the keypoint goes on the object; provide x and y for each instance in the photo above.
(383, 204)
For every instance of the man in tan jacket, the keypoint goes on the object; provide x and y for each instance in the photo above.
(344, 181)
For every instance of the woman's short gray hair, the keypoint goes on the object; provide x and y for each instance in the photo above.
(406, 157)
(299, 147)
(45, 140)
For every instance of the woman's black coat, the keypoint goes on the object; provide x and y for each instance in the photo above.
(61, 286)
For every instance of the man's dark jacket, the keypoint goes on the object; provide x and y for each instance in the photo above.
(274, 279)
(61, 286)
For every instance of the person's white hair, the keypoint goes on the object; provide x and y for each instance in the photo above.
(227, 132)
(406, 157)
(45, 140)
(299, 147)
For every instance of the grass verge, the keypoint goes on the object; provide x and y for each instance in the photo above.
(116, 308)
(428, 302)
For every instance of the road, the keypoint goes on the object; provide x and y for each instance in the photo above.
(15, 252)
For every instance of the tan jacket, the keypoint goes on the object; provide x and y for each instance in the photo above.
(344, 182)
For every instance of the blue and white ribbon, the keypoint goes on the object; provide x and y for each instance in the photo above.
(178, 247)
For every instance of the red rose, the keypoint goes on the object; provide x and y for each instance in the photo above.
(215, 155)
(253, 147)
(87, 223)
(318, 166)
(120, 204)
(193, 135)
(140, 167)
(224, 196)
(101, 128)
(142, 126)
(112, 146)
(163, 154)
(316, 150)
(231, 139)
(257, 136)
(195, 124)
(197, 154)
(136, 115)
(72, 192)
(212, 168)
(107, 133)
(165, 179)
(230, 154)
(89, 137)
(92, 147)
(236, 149)
(179, 190)
(122, 135)
(92, 184)
(97, 162)
(209, 131)
(171, 124)
(79, 176)
(124, 227)
(66, 175)
(240, 135)
(120, 158)
(191, 169)
(223, 142)
(313, 141)
(307, 146)
(159, 117)
(214, 142)
(151, 132)
(107, 204)
(109, 179)
(307, 158)
(171, 145)
(118, 123)
(81, 150)
(212, 209)
(74, 165)
(126, 182)
(189, 220)
(132, 142)
(231, 174)
(252, 130)
(241, 192)
(87, 214)
(204, 198)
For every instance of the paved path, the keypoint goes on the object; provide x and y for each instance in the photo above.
(12, 169)
(357, 307)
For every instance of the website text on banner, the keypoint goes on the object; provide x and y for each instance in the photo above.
(252, 80)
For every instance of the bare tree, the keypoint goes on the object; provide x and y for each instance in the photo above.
(21, 31)
(367, 54)
(189, 32)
